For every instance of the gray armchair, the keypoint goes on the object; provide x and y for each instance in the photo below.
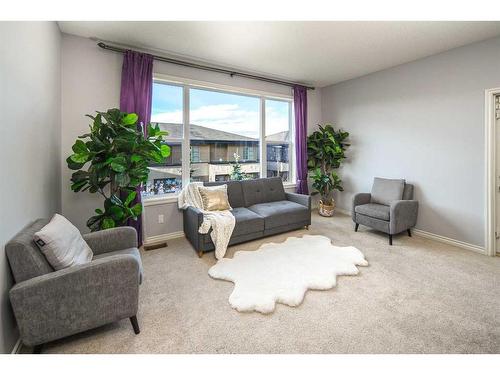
(389, 208)
(49, 304)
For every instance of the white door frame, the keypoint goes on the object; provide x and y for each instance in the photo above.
(491, 169)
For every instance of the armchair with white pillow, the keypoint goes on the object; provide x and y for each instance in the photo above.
(49, 304)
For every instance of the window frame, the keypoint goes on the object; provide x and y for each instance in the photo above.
(291, 142)
(192, 154)
(188, 84)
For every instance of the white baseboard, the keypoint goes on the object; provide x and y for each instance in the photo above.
(436, 237)
(17, 347)
(162, 238)
(450, 241)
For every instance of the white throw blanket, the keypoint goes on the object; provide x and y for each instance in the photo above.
(221, 222)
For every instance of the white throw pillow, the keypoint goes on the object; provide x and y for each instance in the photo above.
(62, 244)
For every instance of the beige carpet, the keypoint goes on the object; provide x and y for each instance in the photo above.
(418, 296)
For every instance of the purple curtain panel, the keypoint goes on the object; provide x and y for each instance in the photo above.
(300, 110)
(135, 97)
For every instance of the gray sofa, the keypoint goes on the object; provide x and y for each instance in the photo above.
(49, 304)
(389, 208)
(261, 208)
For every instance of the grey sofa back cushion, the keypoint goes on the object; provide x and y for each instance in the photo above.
(263, 190)
(385, 190)
(234, 192)
(25, 258)
(408, 192)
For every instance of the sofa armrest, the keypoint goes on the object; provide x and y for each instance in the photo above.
(302, 199)
(192, 219)
(359, 199)
(112, 239)
(403, 215)
(76, 298)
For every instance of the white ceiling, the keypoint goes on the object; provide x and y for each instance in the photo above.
(318, 53)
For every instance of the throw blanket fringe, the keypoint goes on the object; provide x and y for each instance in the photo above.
(221, 222)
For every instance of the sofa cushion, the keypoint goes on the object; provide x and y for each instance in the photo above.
(132, 251)
(378, 211)
(281, 213)
(234, 192)
(385, 190)
(262, 190)
(247, 221)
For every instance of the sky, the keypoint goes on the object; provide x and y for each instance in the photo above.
(222, 111)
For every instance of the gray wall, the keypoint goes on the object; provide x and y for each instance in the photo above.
(91, 81)
(422, 121)
(30, 97)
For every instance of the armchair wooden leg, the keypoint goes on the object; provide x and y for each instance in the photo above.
(409, 233)
(356, 227)
(390, 239)
(37, 349)
(135, 324)
(307, 227)
(200, 253)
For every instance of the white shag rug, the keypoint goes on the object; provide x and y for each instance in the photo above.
(283, 272)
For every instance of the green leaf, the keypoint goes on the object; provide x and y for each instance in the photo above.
(80, 176)
(136, 158)
(117, 167)
(136, 209)
(116, 212)
(129, 198)
(80, 158)
(77, 186)
(72, 165)
(130, 119)
(165, 151)
(122, 179)
(107, 204)
(94, 223)
(79, 147)
(151, 131)
(115, 200)
(98, 211)
(108, 223)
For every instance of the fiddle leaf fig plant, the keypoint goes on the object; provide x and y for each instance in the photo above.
(112, 160)
(325, 184)
(326, 151)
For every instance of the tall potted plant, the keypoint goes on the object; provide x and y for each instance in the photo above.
(326, 151)
(112, 160)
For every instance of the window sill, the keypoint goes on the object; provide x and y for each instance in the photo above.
(155, 201)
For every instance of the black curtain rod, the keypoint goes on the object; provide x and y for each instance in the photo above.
(209, 68)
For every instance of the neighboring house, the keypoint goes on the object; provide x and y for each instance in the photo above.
(212, 156)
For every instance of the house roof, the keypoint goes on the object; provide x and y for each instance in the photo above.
(283, 136)
(197, 132)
